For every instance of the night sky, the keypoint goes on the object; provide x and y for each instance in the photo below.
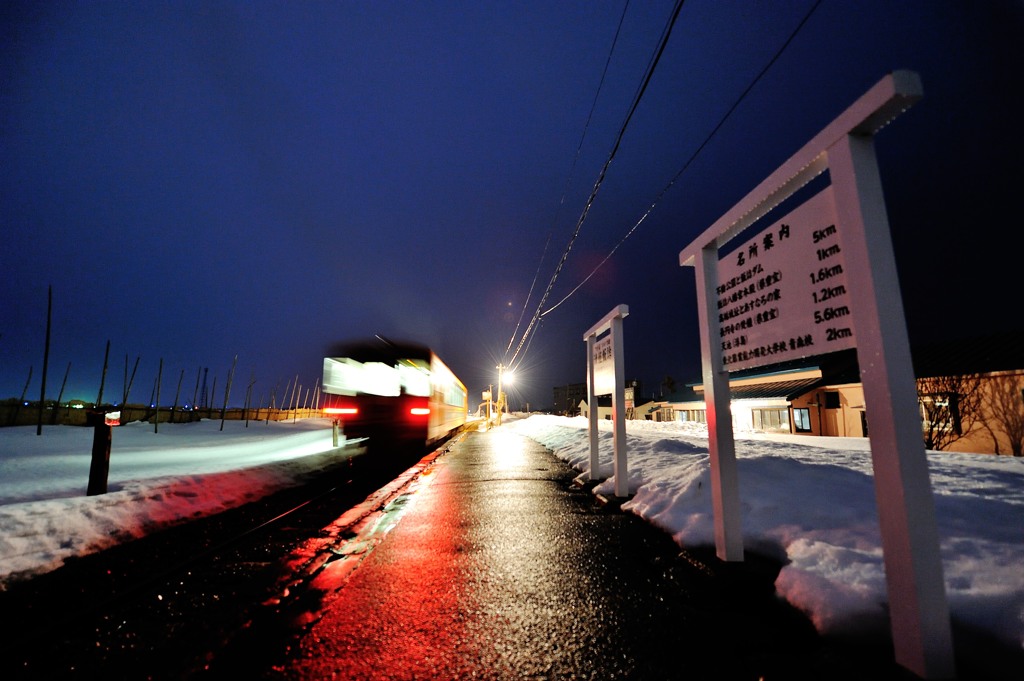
(200, 180)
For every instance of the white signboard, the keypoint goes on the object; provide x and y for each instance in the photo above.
(605, 360)
(604, 366)
(783, 295)
(799, 289)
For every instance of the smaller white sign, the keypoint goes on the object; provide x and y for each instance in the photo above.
(604, 366)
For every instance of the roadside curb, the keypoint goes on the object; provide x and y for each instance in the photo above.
(611, 502)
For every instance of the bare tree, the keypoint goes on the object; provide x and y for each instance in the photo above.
(1005, 410)
(951, 407)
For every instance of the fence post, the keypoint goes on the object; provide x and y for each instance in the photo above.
(99, 468)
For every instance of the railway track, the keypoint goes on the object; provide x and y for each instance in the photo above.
(167, 605)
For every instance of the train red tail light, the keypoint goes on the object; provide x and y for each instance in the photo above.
(341, 410)
(419, 411)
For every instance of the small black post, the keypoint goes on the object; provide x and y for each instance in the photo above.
(99, 469)
(46, 359)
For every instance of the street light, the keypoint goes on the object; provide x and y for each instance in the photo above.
(501, 393)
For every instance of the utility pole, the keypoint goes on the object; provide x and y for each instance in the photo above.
(490, 402)
(501, 395)
(46, 359)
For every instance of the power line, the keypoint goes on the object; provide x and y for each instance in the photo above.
(689, 161)
(600, 178)
(572, 173)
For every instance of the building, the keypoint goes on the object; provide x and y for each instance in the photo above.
(604, 408)
(568, 397)
(970, 396)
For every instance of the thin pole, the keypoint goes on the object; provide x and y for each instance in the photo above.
(103, 376)
(46, 360)
(156, 401)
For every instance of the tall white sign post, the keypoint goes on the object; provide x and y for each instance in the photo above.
(824, 279)
(606, 374)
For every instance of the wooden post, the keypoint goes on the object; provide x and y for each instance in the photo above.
(156, 401)
(725, 494)
(227, 392)
(177, 394)
(21, 400)
(46, 360)
(592, 435)
(195, 394)
(604, 379)
(248, 398)
(99, 468)
(103, 376)
(906, 510)
(60, 395)
(619, 411)
(128, 384)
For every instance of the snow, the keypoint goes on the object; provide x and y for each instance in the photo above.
(808, 501)
(156, 480)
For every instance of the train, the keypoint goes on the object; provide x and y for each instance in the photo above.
(396, 393)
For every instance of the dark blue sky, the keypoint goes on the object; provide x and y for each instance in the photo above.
(199, 180)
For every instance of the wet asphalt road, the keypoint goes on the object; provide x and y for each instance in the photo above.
(495, 565)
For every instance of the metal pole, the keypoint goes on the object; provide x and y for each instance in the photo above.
(619, 412)
(725, 494)
(595, 458)
(501, 397)
(918, 608)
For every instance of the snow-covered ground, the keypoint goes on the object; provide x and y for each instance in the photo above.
(156, 480)
(809, 501)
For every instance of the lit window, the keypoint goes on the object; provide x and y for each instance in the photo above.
(802, 420)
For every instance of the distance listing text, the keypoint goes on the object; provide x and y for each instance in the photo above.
(768, 349)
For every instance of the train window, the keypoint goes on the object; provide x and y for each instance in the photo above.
(380, 379)
(454, 396)
(415, 379)
(342, 376)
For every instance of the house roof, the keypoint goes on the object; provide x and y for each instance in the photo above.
(775, 389)
(783, 381)
(997, 352)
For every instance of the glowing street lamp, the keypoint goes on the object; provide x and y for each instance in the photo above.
(502, 376)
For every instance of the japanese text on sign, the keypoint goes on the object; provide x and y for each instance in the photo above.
(604, 367)
(783, 294)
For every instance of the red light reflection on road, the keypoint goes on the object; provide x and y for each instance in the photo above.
(404, 612)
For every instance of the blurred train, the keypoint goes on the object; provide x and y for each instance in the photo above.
(395, 393)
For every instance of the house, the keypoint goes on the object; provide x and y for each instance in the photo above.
(604, 408)
(970, 395)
